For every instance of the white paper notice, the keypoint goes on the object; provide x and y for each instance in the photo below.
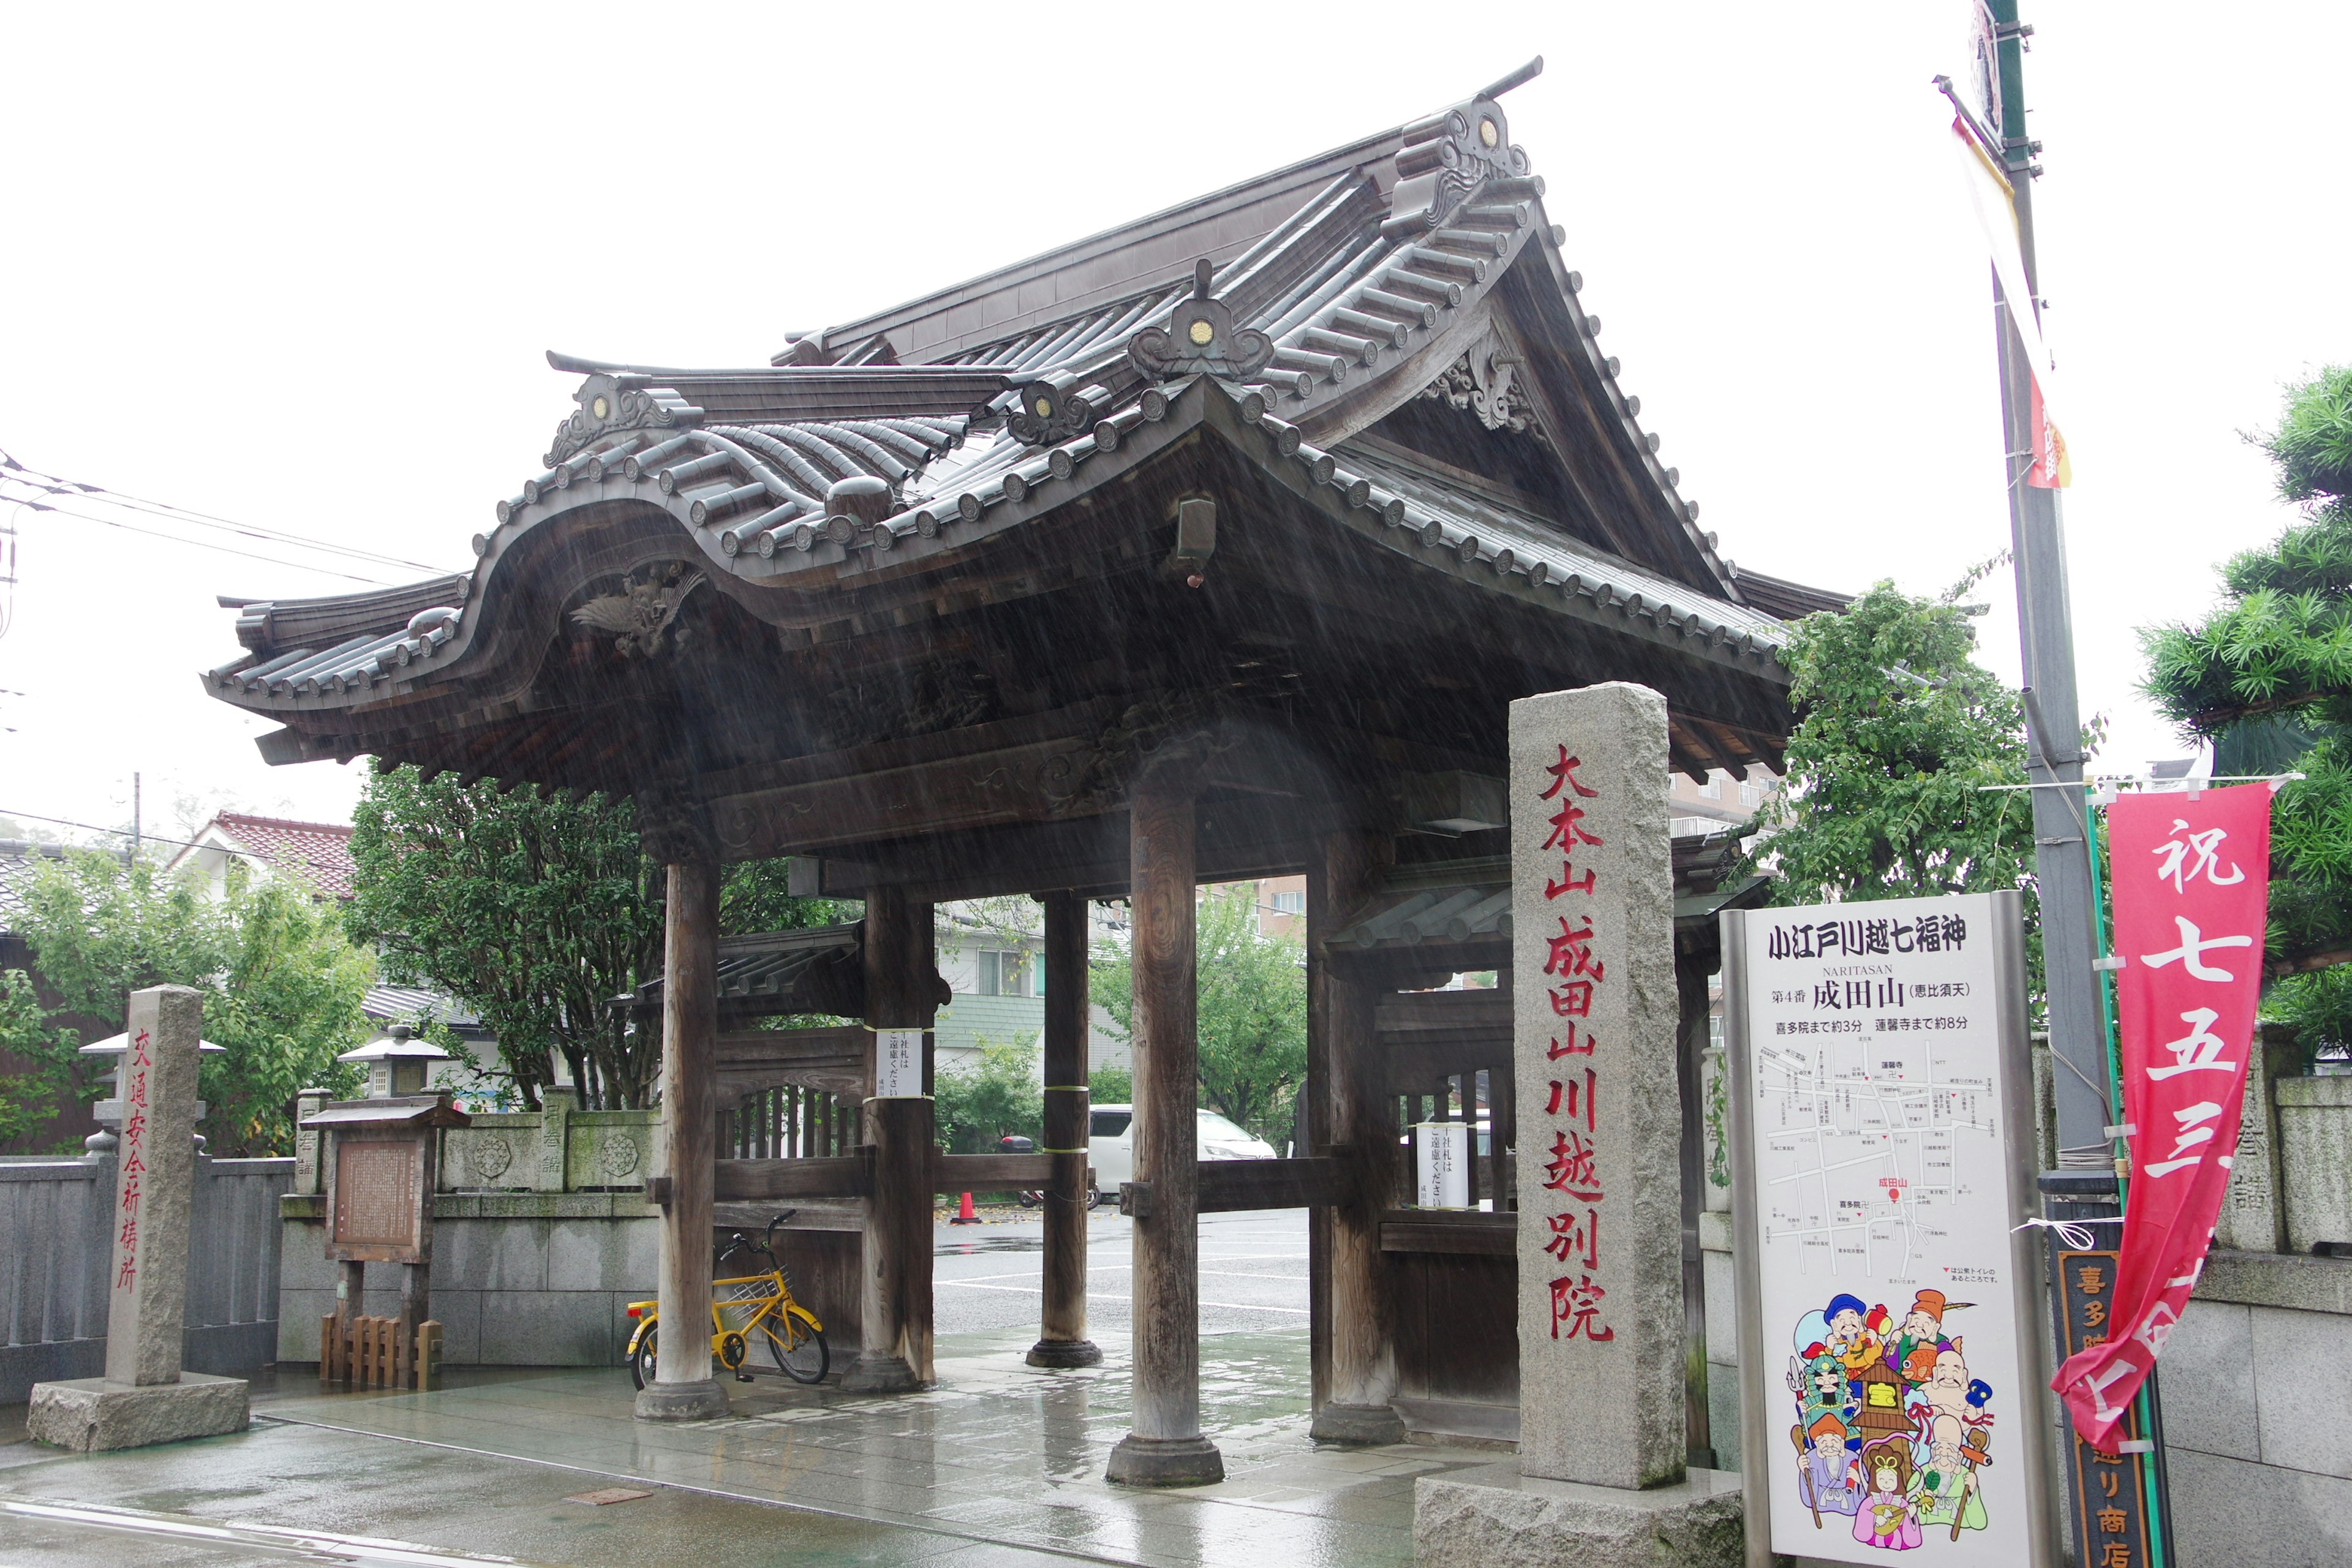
(1443, 1151)
(897, 1064)
(1881, 1178)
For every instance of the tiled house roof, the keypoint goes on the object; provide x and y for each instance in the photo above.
(317, 853)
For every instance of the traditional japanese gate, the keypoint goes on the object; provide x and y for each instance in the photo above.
(1212, 547)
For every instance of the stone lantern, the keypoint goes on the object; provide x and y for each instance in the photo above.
(397, 1062)
(108, 1113)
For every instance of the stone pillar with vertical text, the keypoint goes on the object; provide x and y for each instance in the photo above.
(1601, 1312)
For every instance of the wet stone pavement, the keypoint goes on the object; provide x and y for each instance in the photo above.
(1001, 1464)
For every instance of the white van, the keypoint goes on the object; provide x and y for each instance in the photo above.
(1111, 1134)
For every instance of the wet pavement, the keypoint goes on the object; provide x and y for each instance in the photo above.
(1002, 1464)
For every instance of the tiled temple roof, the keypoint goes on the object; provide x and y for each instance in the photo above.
(1328, 277)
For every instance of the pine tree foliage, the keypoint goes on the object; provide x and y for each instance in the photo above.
(2266, 678)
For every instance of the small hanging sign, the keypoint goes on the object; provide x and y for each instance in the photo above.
(1442, 1152)
(897, 1064)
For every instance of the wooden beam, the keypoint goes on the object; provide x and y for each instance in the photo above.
(990, 1173)
(1443, 1230)
(1230, 1186)
(752, 1181)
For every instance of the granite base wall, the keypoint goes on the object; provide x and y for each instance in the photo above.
(518, 1280)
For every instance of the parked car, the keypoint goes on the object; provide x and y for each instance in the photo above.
(1111, 1136)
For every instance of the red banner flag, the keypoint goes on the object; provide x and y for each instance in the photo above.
(2191, 901)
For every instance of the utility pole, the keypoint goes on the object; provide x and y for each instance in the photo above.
(2087, 1185)
(138, 817)
(2062, 859)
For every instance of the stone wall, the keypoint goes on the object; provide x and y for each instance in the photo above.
(541, 1238)
(518, 1279)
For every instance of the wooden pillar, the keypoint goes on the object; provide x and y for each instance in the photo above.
(1360, 1368)
(1165, 1446)
(896, 1299)
(683, 1389)
(1062, 1338)
(1695, 959)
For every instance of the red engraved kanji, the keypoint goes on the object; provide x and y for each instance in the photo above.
(1577, 1303)
(1575, 1237)
(1565, 833)
(1573, 1000)
(1569, 881)
(1571, 1047)
(1563, 772)
(1572, 951)
(1587, 1093)
(1572, 1168)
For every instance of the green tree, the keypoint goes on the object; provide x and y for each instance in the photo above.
(1898, 731)
(536, 912)
(998, 1095)
(532, 910)
(282, 985)
(1253, 1010)
(2267, 678)
(40, 1074)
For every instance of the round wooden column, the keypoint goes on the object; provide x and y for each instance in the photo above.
(1165, 1448)
(896, 1301)
(1361, 1353)
(1061, 1339)
(683, 1389)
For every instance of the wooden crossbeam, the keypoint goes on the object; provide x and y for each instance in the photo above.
(1227, 1186)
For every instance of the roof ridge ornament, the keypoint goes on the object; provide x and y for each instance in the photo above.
(1200, 337)
(1456, 154)
(607, 406)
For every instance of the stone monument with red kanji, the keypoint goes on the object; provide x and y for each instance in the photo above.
(1602, 1475)
(145, 1397)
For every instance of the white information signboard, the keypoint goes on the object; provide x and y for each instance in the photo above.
(1443, 1155)
(1881, 1134)
(897, 1064)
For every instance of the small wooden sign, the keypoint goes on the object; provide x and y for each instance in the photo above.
(379, 1167)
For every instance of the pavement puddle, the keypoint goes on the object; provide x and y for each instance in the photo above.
(308, 1545)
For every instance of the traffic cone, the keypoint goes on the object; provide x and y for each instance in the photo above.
(965, 1215)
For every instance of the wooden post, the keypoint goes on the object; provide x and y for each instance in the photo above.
(1165, 1446)
(350, 1286)
(895, 1302)
(1694, 962)
(416, 1307)
(683, 1389)
(1061, 1339)
(1361, 1355)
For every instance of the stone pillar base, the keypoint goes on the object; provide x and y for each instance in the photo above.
(1165, 1462)
(90, 1415)
(1493, 1517)
(1357, 1424)
(703, 1400)
(1065, 1353)
(880, 1374)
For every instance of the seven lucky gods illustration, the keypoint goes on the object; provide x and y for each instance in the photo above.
(1891, 1430)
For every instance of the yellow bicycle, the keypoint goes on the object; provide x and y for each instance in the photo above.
(752, 1311)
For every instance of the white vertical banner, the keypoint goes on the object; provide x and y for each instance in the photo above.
(897, 1064)
(1881, 1143)
(1442, 1151)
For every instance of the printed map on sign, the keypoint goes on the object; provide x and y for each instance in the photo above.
(1881, 1182)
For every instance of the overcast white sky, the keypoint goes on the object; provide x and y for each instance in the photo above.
(299, 268)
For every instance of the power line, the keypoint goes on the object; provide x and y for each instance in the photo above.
(202, 544)
(54, 484)
(93, 827)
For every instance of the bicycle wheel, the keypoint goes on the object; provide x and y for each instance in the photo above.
(796, 1345)
(642, 1359)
